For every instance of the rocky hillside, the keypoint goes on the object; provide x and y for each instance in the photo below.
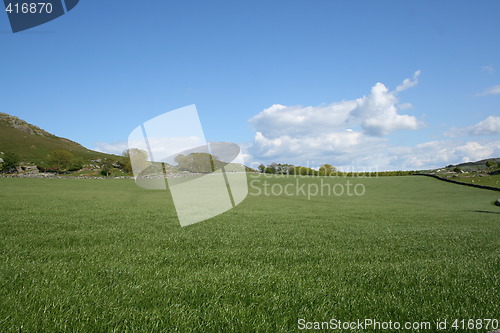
(15, 122)
(481, 163)
(34, 144)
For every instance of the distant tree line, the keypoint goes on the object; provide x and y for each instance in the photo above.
(324, 170)
(289, 169)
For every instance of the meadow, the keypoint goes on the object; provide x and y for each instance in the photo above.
(107, 256)
(487, 180)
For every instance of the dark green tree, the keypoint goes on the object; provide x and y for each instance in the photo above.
(10, 162)
(76, 164)
(327, 170)
(106, 167)
(491, 164)
(126, 165)
(60, 160)
(271, 168)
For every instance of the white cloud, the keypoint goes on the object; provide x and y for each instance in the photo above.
(295, 149)
(488, 126)
(405, 106)
(488, 69)
(378, 112)
(378, 155)
(351, 135)
(474, 151)
(343, 131)
(408, 83)
(495, 90)
(341, 148)
(116, 148)
(280, 120)
(435, 154)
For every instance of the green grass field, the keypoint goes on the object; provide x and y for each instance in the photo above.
(105, 255)
(486, 180)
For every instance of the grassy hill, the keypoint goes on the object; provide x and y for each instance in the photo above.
(477, 173)
(34, 144)
(477, 166)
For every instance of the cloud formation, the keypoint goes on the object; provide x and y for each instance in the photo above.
(343, 131)
(408, 83)
(380, 155)
(495, 90)
(488, 126)
(280, 120)
(488, 69)
(116, 148)
(439, 153)
(352, 134)
(378, 112)
(341, 146)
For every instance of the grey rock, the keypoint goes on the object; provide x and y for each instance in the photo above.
(30, 169)
(20, 124)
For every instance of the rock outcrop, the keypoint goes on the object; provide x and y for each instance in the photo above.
(14, 122)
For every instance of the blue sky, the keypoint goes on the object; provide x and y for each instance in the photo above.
(99, 71)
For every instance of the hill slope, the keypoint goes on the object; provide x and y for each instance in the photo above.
(34, 144)
(481, 164)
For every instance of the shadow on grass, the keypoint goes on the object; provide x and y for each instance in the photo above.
(485, 211)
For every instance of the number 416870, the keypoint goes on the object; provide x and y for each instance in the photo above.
(29, 8)
(475, 324)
